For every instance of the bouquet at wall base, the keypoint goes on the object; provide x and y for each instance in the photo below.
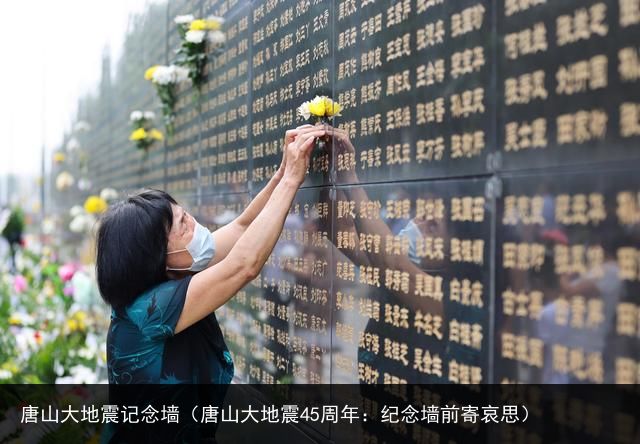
(143, 134)
(320, 110)
(194, 35)
(165, 79)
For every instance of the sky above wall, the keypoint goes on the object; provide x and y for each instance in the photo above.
(51, 53)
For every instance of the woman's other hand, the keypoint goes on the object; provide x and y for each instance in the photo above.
(289, 137)
(298, 152)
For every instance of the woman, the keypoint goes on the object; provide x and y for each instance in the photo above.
(164, 275)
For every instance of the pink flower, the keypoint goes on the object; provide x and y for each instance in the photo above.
(67, 271)
(19, 283)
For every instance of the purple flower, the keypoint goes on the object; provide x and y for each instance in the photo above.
(68, 289)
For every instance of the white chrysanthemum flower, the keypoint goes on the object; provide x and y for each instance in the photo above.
(73, 144)
(5, 374)
(180, 74)
(162, 75)
(165, 75)
(82, 126)
(195, 36)
(84, 184)
(64, 181)
(303, 110)
(86, 353)
(183, 19)
(76, 210)
(135, 115)
(109, 194)
(83, 374)
(58, 368)
(149, 115)
(48, 225)
(216, 37)
(216, 18)
(78, 224)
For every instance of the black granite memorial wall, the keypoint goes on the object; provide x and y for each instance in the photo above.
(477, 221)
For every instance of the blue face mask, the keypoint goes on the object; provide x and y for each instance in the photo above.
(201, 248)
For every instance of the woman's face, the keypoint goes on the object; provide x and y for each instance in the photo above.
(180, 235)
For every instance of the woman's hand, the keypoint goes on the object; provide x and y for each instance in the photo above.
(298, 152)
(289, 137)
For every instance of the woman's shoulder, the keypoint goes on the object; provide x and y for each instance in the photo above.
(158, 303)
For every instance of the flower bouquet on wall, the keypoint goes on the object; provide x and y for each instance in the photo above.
(165, 79)
(143, 134)
(320, 110)
(192, 54)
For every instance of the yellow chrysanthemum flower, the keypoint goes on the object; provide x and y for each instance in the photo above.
(72, 324)
(80, 315)
(95, 204)
(148, 74)
(317, 107)
(332, 108)
(14, 320)
(198, 25)
(156, 134)
(212, 25)
(139, 134)
(59, 157)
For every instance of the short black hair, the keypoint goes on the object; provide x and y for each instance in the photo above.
(131, 246)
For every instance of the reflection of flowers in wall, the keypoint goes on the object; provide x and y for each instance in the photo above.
(165, 79)
(143, 134)
(194, 35)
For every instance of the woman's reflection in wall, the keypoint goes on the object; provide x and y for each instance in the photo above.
(577, 322)
(399, 303)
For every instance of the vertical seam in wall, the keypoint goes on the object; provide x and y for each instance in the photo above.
(332, 194)
(493, 233)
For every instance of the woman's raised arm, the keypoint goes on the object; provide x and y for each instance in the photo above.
(213, 287)
(226, 237)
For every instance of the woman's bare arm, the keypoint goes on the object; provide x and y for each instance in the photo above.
(213, 287)
(226, 237)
